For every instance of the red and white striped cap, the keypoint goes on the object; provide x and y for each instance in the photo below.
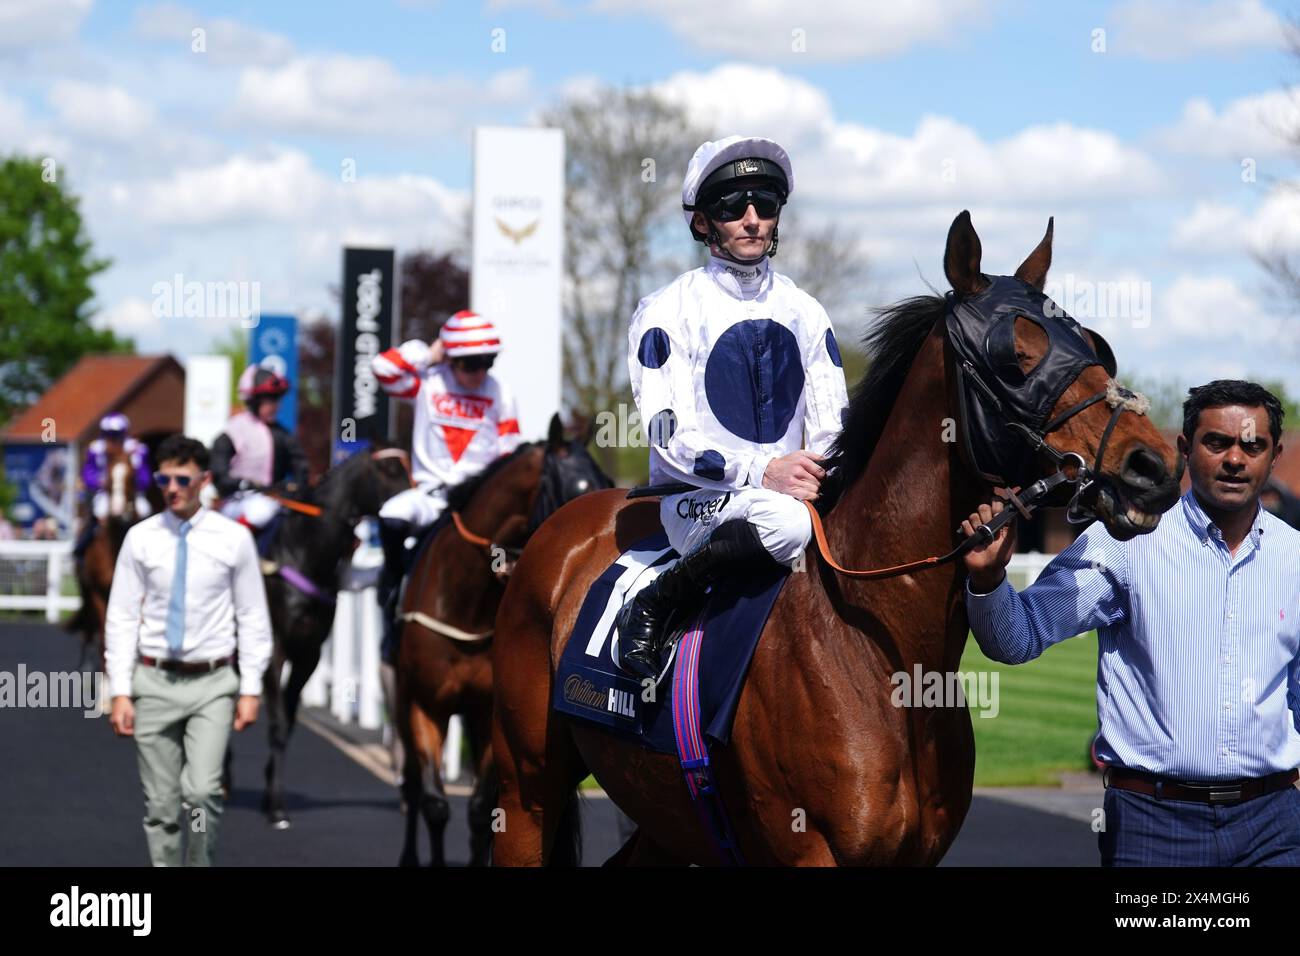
(468, 333)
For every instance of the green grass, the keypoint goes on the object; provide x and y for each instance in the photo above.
(1047, 713)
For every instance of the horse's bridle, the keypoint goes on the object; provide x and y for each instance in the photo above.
(981, 334)
(1080, 474)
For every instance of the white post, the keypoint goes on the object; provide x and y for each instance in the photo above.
(370, 698)
(314, 692)
(342, 669)
(53, 576)
(451, 750)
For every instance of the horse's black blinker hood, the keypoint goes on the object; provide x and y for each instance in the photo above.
(999, 404)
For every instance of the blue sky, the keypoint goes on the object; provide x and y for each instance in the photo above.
(224, 165)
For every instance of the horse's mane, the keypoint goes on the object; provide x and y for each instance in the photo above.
(890, 344)
(458, 496)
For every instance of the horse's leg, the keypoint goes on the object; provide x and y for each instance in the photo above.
(483, 801)
(537, 762)
(301, 668)
(412, 790)
(276, 724)
(427, 738)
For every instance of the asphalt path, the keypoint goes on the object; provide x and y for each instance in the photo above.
(70, 796)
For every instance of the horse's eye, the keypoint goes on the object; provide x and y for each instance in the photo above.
(583, 485)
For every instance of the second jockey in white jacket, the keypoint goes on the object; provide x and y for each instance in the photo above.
(464, 420)
(739, 380)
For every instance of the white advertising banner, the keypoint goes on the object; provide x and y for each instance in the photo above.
(207, 396)
(515, 276)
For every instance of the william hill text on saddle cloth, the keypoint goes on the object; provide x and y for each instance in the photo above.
(734, 368)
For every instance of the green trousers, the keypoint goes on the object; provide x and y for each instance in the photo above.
(182, 725)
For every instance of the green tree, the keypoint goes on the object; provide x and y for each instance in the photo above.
(46, 265)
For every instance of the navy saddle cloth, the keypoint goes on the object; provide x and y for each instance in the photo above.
(589, 684)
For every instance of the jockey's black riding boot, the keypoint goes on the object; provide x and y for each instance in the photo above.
(643, 624)
(393, 533)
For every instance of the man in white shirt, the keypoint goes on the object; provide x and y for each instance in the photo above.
(187, 601)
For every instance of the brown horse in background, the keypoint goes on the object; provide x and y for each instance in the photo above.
(95, 569)
(444, 661)
(816, 739)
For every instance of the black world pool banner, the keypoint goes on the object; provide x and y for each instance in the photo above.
(360, 406)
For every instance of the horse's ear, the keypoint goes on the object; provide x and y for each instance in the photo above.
(555, 434)
(961, 258)
(1034, 269)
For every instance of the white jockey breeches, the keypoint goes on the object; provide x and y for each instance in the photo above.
(99, 505)
(782, 522)
(254, 507)
(420, 506)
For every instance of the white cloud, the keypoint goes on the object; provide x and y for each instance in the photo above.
(1218, 229)
(1211, 308)
(100, 112)
(1251, 126)
(28, 23)
(828, 31)
(1172, 29)
(942, 162)
(358, 96)
(226, 42)
(131, 317)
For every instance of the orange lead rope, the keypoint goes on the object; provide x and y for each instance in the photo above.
(820, 534)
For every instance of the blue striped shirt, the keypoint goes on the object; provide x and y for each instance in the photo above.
(1199, 649)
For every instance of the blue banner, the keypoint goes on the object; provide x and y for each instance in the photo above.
(45, 476)
(273, 344)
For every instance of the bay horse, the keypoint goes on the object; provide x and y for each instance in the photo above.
(444, 658)
(822, 768)
(96, 565)
(304, 563)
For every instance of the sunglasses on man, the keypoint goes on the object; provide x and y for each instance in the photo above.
(473, 363)
(731, 206)
(164, 480)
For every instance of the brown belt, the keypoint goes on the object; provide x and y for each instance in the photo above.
(186, 667)
(1225, 791)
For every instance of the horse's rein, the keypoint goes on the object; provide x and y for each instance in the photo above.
(479, 540)
(315, 511)
(1071, 471)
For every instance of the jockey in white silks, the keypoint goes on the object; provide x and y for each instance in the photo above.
(464, 420)
(255, 452)
(739, 380)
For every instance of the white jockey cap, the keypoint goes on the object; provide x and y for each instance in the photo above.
(713, 155)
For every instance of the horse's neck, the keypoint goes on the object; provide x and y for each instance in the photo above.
(315, 545)
(469, 591)
(907, 506)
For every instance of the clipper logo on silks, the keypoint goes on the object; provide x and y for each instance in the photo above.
(697, 509)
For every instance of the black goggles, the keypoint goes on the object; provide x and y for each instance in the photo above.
(474, 363)
(730, 206)
(164, 481)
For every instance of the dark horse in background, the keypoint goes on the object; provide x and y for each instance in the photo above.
(95, 566)
(305, 560)
(444, 661)
(815, 733)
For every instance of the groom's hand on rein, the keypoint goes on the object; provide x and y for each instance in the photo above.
(797, 475)
(986, 563)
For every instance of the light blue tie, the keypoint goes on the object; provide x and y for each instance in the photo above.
(176, 605)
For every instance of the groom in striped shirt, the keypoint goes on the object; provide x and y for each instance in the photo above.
(1198, 628)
